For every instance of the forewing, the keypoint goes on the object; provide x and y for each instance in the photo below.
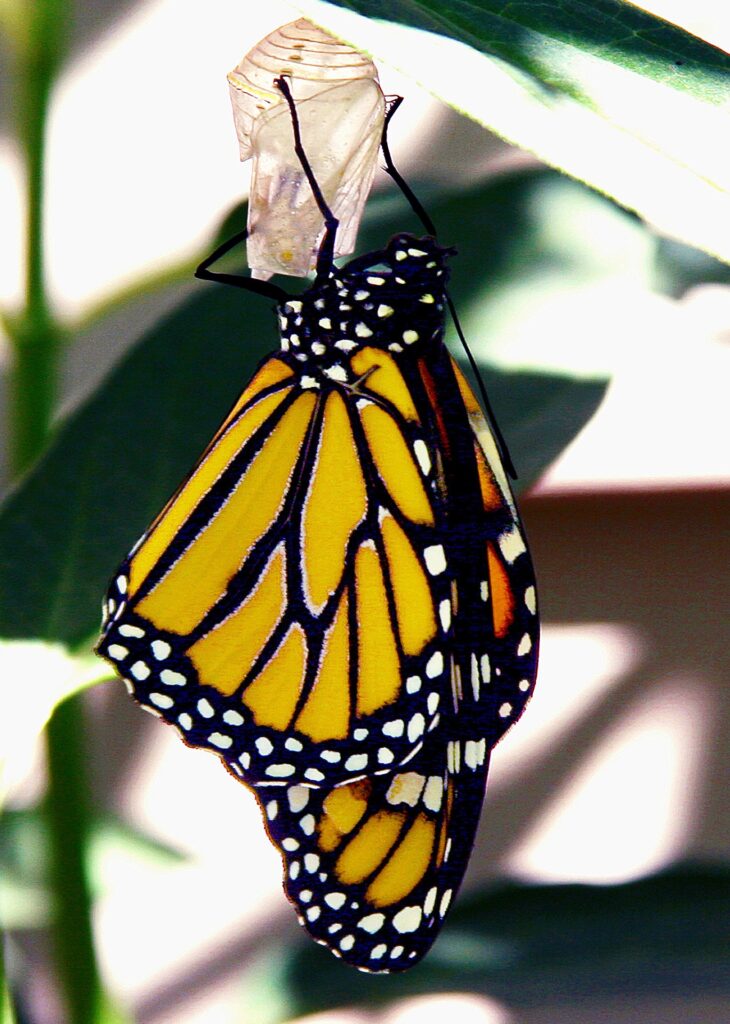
(290, 609)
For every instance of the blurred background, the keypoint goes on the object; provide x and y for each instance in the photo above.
(598, 888)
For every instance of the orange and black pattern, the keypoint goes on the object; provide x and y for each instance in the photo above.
(339, 602)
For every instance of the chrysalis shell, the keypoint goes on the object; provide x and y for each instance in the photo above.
(340, 108)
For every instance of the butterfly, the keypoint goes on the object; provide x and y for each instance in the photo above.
(339, 602)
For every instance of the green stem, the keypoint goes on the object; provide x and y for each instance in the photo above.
(68, 814)
(7, 1014)
(36, 338)
(35, 334)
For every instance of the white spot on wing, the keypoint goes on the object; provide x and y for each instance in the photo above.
(205, 708)
(126, 630)
(435, 665)
(435, 559)
(170, 678)
(433, 793)
(405, 788)
(407, 919)
(475, 679)
(471, 754)
(430, 902)
(511, 544)
(372, 923)
(416, 727)
(161, 649)
(524, 647)
(445, 613)
(298, 798)
(422, 454)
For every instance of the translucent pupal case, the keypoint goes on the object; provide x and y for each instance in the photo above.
(340, 107)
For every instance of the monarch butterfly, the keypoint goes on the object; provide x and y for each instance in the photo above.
(339, 600)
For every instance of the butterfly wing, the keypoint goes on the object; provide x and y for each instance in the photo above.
(502, 665)
(340, 602)
(290, 607)
(372, 866)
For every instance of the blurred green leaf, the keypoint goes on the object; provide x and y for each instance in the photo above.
(608, 93)
(24, 897)
(679, 267)
(529, 946)
(118, 457)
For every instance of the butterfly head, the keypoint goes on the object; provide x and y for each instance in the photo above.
(391, 299)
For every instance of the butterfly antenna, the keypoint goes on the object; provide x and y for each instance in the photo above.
(326, 255)
(498, 436)
(415, 204)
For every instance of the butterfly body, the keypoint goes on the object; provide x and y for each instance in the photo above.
(339, 602)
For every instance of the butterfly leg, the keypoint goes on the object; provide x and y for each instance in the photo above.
(326, 255)
(251, 284)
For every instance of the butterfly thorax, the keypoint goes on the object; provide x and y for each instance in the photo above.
(393, 300)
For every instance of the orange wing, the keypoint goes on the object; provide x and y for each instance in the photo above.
(290, 608)
(373, 866)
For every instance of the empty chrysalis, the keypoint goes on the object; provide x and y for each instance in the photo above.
(341, 110)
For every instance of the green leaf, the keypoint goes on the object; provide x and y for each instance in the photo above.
(615, 97)
(533, 946)
(24, 847)
(36, 677)
(118, 458)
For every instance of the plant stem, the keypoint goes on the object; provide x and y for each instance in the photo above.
(34, 334)
(36, 338)
(7, 1015)
(68, 816)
